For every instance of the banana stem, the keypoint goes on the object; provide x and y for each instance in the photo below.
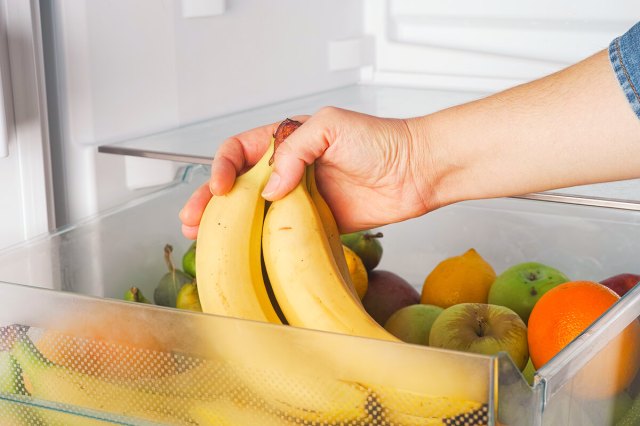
(283, 131)
(368, 236)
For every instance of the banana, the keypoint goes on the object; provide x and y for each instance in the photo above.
(311, 400)
(330, 228)
(225, 412)
(303, 272)
(228, 267)
(53, 383)
(404, 407)
(12, 391)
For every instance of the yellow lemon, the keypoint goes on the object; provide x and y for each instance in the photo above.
(460, 279)
(357, 271)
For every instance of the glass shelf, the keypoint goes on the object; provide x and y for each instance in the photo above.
(197, 143)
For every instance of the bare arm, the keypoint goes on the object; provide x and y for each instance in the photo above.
(572, 127)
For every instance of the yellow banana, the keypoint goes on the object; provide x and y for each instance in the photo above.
(405, 407)
(228, 267)
(12, 393)
(208, 380)
(315, 400)
(330, 229)
(225, 412)
(303, 272)
(50, 382)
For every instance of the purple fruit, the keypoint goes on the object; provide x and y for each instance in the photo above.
(387, 292)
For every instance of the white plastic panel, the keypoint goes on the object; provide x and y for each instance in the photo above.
(202, 8)
(133, 68)
(488, 45)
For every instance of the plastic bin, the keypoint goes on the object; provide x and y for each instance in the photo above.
(181, 367)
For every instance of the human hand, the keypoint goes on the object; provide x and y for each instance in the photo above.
(367, 168)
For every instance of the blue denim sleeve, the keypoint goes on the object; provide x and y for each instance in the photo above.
(624, 54)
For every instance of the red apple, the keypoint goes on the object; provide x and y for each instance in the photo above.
(621, 283)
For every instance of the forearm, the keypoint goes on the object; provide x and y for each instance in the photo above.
(573, 127)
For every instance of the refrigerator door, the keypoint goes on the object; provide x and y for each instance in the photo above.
(26, 196)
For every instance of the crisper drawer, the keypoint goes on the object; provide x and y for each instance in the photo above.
(129, 363)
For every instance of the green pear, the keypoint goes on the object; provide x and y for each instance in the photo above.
(189, 260)
(134, 294)
(366, 245)
(166, 293)
(188, 298)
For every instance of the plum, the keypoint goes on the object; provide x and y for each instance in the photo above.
(388, 292)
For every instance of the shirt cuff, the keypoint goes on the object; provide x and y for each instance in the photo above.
(624, 54)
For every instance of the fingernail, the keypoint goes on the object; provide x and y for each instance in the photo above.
(272, 185)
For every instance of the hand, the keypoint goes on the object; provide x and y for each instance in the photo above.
(368, 169)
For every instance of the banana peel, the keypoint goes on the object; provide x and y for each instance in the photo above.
(404, 407)
(225, 412)
(228, 260)
(48, 381)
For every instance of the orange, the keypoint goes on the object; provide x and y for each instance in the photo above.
(113, 347)
(460, 279)
(561, 315)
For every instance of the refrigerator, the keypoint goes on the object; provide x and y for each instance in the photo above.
(112, 111)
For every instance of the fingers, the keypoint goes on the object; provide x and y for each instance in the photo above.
(235, 154)
(228, 162)
(190, 232)
(303, 147)
(191, 213)
(239, 153)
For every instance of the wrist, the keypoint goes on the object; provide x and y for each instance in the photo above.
(428, 163)
(432, 166)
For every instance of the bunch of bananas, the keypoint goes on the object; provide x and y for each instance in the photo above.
(284, 264)
(303, 257)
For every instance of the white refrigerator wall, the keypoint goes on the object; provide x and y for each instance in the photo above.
(126, 68)
(118, 69)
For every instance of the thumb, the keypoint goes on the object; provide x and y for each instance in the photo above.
(300, 149)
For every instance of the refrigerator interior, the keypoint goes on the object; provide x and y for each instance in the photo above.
(132, 70)
(137, 90)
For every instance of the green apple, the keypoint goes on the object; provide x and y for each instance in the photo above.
(412, 324)
(611, 410)
(521, 286)
(481, 328)
(529, 372)
(627, 412)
